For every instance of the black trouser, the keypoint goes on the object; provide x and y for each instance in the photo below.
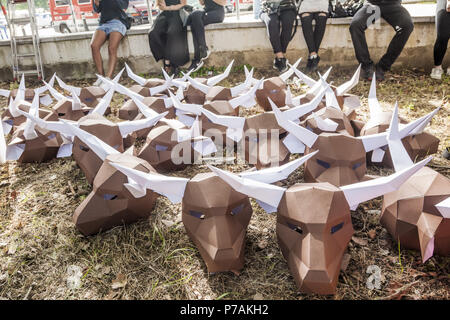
(198, 20)
(313, 38)
(443, 34)
(168, 39)
(394, 14)
(280, 38)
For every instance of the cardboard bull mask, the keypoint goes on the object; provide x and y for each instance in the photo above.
(30, 143)
(172, 146)
(110, 203)
(214, 214)
(260, 149)
(418, 145)
(313, 221)
(88, 96)
(216, 218)
(342, 158)
(418, 213)
(130, 110)
(85, 144)
(329, 119)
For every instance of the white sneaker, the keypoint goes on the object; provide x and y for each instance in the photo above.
(436, 73)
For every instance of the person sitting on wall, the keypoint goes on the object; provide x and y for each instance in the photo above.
(443, 34)
(316, 10)
(113, 25)
(276, 14)
(213, 12)
(168, 36)
(398, 17)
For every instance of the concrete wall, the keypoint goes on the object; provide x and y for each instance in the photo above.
(70, 57)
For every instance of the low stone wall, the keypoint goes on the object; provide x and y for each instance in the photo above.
(247, 42)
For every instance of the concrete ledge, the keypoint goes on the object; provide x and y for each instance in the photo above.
(246, 42)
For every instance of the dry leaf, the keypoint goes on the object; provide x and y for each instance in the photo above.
(119, 282)
(258, 296)
(359, 241)
(372, 234)
(345, 261)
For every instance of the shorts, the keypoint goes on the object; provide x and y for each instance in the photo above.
(113, 26)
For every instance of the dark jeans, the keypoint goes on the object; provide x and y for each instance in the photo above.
(394, 14)
(198, 20)
(168, 39)
(313, 38)
(443, 34)
(280, 38)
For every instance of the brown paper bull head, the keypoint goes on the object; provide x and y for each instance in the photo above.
(130, 110)
(329, 119)
(342, 158)
(216, 218)
(260, 148)
(418, 145)
(110, 203)
(273, 88)
(417, 214)
(413, 217)
(31, 143)
(313, 220)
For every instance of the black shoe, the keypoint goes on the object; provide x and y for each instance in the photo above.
(446, 153)
(309, 65)
(280, 64)
(367, 72)
(204, 53)
(379, 72)
(315, 63)
(195, 65)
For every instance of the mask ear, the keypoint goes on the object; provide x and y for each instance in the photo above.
(140, 80)
(66, 87)
(364, 191)
(58, 96)
(266, 193)
(100, 148)
(104, 102)
(76, 103)
(400, 157)
(29, 132)
(197, 85)
(171, 187)
(444, 208)
(186, 107)
(285, 76)
(235, 125)
(347, 86)
(302, 134)
(247, 100)
(127, 127)
(426, 227)
(166, 85)
(274, 174)
(216, 79)
(374, 105)
(5, 93)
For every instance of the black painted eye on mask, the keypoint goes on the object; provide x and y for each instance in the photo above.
(237, 210)
(337, 227)
(197, 214)
(324, 164)
(109, 196)
(83, 148)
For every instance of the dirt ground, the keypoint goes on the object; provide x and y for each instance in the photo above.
(42, 254)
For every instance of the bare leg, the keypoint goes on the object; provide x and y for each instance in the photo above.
(98, 39)
(114, 40)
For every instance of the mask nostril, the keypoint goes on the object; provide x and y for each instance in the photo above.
(60, 114)
(357, 165)
(161, 148)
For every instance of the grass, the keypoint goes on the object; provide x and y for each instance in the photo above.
(152, 260)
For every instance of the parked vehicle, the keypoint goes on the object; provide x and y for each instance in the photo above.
(86, 17)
